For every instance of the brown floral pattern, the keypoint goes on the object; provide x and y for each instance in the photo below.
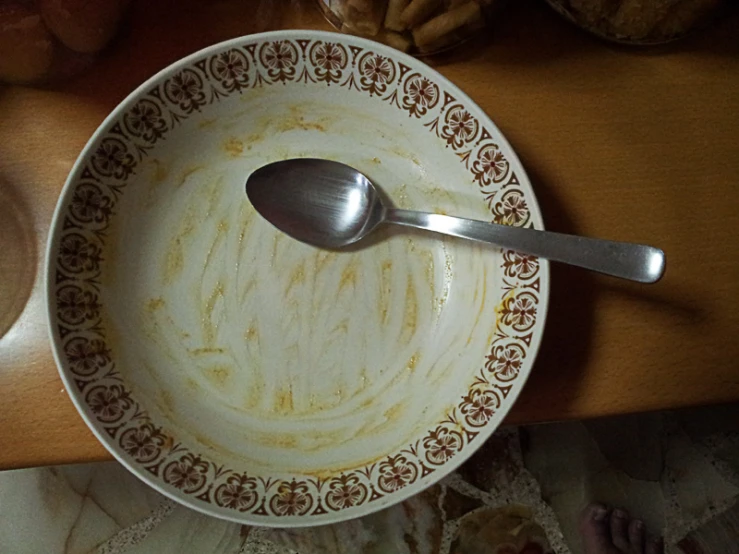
(102, 179)
(505, 362)
(345, 491)
(112, 159)
(330, 60)
(460, 127)
(376, 73)
(231, 69)
(86, 356)
(76, 306)
(292, 499)
(279, 57)
(77, 254)
(144, 444)
(90, 205)
(421, 95)
(441, 444)
(239, 492)
(187, 474)
(520, 265)
(186, 90)
(145, 121)
(512, 209)
(491, 166)
(519, 311)
(396, 473)
(108, 403)
(479, 406)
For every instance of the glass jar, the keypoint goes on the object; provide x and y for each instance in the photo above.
(43, 40)
(638, 22)
(414, 26)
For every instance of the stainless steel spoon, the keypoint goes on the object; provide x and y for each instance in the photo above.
(329, 204)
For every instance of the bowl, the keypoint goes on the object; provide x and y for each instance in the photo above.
(256, 378)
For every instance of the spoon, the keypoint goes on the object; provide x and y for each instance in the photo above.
(329, 204)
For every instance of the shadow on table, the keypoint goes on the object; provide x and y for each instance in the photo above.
(689, 307)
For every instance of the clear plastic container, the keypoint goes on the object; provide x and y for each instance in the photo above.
(45, 40)
(414, 26)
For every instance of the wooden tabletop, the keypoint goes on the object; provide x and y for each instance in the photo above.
(630, 144)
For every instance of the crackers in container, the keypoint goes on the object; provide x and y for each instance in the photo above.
(416, 26)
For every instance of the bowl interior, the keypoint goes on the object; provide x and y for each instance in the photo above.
(275, 356)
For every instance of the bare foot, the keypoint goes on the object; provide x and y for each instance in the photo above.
(607, 531)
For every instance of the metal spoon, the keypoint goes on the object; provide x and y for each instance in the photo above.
(329, 204)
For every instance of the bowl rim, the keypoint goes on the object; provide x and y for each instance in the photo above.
(54, 237)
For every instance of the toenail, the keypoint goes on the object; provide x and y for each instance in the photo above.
(619, 514)
(600, 514)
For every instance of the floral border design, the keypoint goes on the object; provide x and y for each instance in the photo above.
(82, 230)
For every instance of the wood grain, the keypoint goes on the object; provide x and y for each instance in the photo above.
(619, 143)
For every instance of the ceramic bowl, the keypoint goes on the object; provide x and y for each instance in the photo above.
(256, 378)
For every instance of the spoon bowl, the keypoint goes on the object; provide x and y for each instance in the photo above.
(319, 202)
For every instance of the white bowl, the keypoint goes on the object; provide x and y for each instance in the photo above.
(253, 377)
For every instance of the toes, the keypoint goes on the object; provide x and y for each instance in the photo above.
(619, 530)
(636, 536)
(605, 531)
(594, 513)
(656, 546)
(594, 528)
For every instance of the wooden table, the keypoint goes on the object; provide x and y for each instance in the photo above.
(639, 145)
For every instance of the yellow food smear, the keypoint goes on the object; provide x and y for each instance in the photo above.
(218, 375)
(284, 400)
(233, 147)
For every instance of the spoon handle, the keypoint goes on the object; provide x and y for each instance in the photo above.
(636, 262)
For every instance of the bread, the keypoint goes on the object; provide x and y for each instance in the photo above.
(26, 46)
(82, 25)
